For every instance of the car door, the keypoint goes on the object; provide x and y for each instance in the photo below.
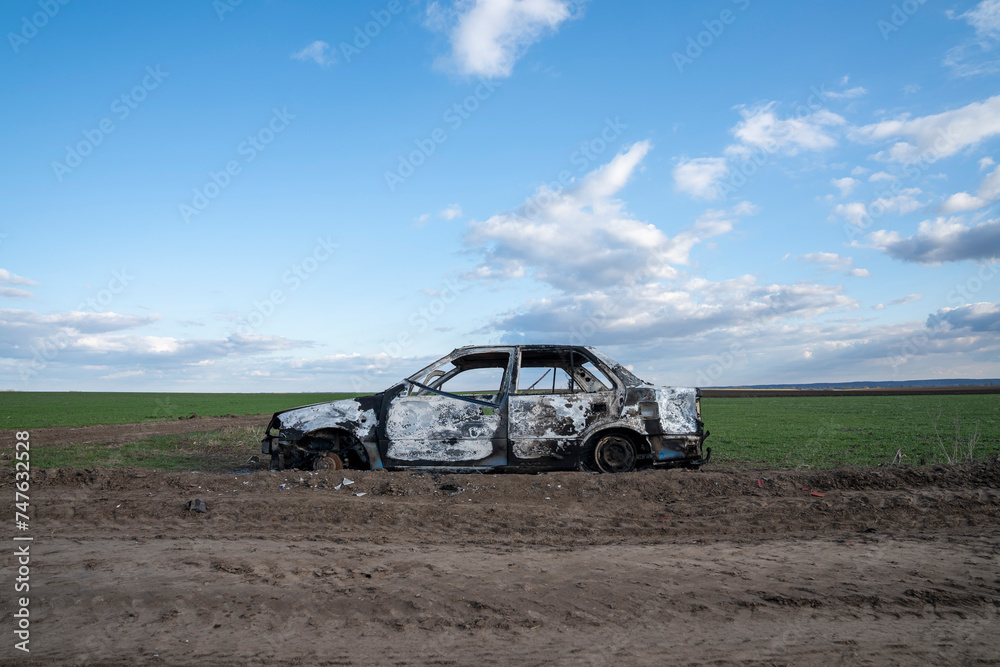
(453, 415)
(559, 395)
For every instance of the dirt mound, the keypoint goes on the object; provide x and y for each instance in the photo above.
(888, 565)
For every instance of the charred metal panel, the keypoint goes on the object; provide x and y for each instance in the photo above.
(353, 415)
(552, 425)
(439, 428)
(677, 409)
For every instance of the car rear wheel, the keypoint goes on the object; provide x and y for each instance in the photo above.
(614, 453)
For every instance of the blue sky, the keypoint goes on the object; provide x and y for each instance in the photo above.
(309, 196)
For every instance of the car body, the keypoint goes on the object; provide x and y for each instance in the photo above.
(505, 407)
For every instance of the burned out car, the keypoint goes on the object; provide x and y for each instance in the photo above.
(516, 407)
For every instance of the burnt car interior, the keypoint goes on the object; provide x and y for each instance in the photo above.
(478, 378)
(549, 372)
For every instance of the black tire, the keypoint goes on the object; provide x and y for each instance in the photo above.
(614, 453)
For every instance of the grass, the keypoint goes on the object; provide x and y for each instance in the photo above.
(222, 450)
(826, 431)
(40, 409)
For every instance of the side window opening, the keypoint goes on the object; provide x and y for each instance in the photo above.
(479, 377)
(545, 372)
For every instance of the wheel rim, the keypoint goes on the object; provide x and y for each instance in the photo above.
(328, 461)
(614, 454)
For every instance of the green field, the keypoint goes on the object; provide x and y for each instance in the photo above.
(223, 450)
(40, 409)
(820, 432)
(826, 431)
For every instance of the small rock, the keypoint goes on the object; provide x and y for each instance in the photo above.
(197, 505)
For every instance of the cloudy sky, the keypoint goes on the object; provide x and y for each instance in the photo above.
(224, 195)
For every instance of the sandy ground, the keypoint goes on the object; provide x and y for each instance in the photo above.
(889, 566)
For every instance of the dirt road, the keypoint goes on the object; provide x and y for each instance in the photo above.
(888, 566)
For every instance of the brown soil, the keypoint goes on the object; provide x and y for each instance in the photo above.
(888, 566)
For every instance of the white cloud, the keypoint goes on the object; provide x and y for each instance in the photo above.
(942, 240)
(652, 313)
(903, 202)
(962, 201)
(831, 261)
(123, 374)
(989, 191)
(985, 18)
(451, 212)
(489, 36)
(422, 219)
(857, 213)
(931, 138)
(911, 88)
(762, 128)
(7, 279)
(974, 317)
(974, 56)
(700, 177)
(583, 237)
(909, 298)
(848, 94)
(986, 163)
(319, 52)
(854, 212)
(879, 176)
(625, 280)
(846, 185)
(30, 342)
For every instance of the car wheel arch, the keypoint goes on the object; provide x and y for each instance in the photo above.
(356, 453)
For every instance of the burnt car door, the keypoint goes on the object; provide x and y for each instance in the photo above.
(452, 413)
(560, 394)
